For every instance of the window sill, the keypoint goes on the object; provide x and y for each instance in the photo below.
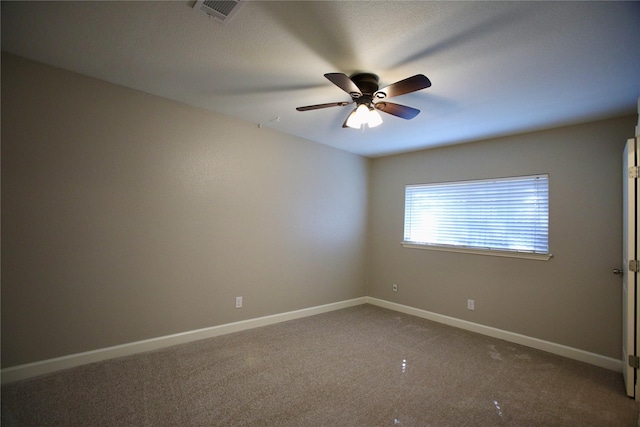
(489, 252)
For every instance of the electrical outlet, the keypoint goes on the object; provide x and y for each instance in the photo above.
(238, 302)
(395, 287)
(471, 304)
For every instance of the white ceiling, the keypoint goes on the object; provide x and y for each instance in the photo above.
(496, 67)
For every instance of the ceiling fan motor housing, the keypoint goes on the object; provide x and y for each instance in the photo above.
(368, 85)
(367, 82)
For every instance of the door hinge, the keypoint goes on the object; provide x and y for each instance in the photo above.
(634, 172)
(634, 361)
(634, 265)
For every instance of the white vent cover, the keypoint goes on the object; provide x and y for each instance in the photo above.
(222, 10)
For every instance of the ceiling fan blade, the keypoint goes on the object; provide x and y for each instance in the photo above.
(398, 110)
(319, 106)
(344, 83)
(408, 85)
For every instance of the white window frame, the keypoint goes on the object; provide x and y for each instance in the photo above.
(411, 220)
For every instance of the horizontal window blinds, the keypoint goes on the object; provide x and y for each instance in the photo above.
(505, 214)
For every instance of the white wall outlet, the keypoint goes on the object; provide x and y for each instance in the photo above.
(471, 304)
(238, 302)
(395, 287)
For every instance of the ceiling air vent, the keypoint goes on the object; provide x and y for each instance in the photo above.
(220, 9)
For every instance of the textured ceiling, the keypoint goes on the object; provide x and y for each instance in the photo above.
(496, 67)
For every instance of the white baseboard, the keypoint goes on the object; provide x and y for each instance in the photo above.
(550, 347)
(34, 369)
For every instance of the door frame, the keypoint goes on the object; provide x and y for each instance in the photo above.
(630, 318)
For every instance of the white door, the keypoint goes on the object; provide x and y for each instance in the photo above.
(629, 253)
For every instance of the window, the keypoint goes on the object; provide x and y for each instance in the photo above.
(502, 216)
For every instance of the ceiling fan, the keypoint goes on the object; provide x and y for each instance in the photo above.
(364, 91)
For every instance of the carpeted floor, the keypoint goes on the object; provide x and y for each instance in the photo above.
(361, 366)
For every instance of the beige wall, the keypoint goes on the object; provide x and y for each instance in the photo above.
(126, 216)
(573, 299)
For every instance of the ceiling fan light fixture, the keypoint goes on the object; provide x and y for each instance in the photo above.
(358, 117)
(364, 115)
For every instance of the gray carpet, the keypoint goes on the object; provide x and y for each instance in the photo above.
(361, 366)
